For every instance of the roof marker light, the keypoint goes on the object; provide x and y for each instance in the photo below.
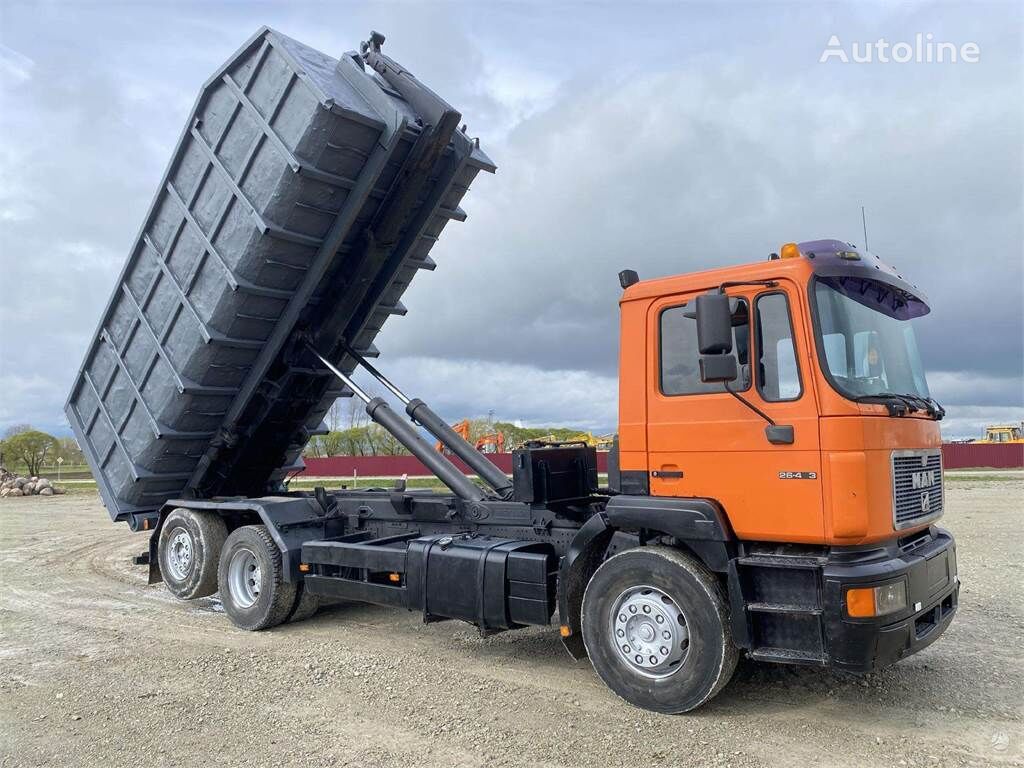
(790, 251)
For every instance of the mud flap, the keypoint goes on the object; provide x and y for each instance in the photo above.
(586, 552)
(153, 558)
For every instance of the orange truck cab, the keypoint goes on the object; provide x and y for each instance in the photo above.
(789, 394)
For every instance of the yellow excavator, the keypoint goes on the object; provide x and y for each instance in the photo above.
(1003, 433)
(601, 442)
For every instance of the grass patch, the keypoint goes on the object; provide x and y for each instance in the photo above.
(67, 471)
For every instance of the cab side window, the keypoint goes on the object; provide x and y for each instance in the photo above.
(679, 368)
(778, 375)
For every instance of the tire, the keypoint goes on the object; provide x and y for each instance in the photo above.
(679, 665)
(189, 552)
(306, 605)
(251, 580)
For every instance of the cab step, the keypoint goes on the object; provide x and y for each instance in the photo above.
(779, 608)
(782, 561)
(791, 608)
(787, 656)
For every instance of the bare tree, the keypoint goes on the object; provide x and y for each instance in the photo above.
(355, 412)
(334, 415)
(17, 429)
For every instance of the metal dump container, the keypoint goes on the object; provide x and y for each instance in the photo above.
(303, 196)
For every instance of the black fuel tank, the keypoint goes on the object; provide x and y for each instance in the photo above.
(494, 583)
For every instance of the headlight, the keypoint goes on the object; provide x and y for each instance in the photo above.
(864, 602)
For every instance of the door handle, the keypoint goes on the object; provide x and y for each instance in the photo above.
(667, 473)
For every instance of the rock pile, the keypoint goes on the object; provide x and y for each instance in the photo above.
(17, 485)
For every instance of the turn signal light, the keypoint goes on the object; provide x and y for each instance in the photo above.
(304, 568)
(564, 630)
(790, 251)
(395, 577)
(865, 602)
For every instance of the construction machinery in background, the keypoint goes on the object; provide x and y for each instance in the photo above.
(1002, 433)
(601, 442)
(773, 489)
(492, 442)
(460, 428)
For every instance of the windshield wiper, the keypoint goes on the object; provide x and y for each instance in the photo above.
(898, 405)
(909, 403)
(930, 406)
(938, 411)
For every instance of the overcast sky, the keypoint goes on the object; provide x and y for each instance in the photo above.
(663, 137)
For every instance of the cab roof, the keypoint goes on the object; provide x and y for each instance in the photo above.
(848, 268)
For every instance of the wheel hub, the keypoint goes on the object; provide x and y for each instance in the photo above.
(245, 578)
(649, 631)
(179, 554)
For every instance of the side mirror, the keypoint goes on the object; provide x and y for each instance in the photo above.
(714, 338)
(714, 324)
(779, 434)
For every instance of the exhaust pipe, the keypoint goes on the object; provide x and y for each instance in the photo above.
(424, 415)
(380, 412)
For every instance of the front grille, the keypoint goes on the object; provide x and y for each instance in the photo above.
(916, 487)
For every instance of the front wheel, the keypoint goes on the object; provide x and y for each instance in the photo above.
(251, 579)
(656, 628)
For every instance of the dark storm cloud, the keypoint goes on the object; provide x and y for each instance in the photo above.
(665, 140)
(684, 171)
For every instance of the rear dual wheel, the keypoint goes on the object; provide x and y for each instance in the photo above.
(188, 551)
(253, 589)
(656, 628)
(197, 558)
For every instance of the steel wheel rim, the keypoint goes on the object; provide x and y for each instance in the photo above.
(648, 631)
(180, 553)
(244, 578)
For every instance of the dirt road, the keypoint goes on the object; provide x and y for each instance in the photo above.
(99, 669)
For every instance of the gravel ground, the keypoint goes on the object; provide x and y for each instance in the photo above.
(99, 669)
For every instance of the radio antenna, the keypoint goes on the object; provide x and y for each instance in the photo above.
(864, 222)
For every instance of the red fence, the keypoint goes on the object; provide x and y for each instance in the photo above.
(995, 455)
(395, 466)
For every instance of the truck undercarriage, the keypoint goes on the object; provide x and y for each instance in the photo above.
(504, 564)
(787, 602)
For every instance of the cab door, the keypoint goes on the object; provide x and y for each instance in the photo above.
(702, 441)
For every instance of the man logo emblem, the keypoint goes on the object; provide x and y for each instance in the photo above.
(923, 479)
(926, 502)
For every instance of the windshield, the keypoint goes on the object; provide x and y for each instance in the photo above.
(867, 351)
